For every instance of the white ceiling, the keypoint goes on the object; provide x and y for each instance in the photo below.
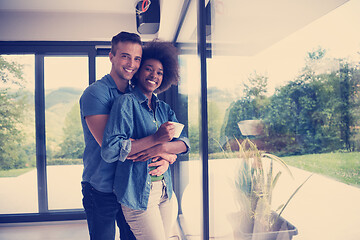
(109, 6)
(78, 20)
(248, 27)
(245, 27)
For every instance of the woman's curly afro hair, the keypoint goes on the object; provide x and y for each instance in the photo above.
(167, 54)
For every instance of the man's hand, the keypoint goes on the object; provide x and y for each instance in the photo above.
(148, 153)
(162, 167)
(158, 151)
(171, 158)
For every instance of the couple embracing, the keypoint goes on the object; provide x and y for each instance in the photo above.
(129, 142)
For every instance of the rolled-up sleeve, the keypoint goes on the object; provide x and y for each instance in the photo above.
(186, 141)
(116, 149)
(116, 143)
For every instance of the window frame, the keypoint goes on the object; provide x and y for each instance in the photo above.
(42, 49)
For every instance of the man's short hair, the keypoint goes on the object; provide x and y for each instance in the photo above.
(124, 37)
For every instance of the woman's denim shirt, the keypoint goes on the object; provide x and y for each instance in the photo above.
(131, 117)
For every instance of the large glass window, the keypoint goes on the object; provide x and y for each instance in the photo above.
(286, 78)
(283, 76)
(65, 79)
(189, 175)
(103, 66)
(18, 175)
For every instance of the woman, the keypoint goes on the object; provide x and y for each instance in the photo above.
(138, 130)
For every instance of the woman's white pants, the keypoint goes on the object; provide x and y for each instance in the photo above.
(158, 220)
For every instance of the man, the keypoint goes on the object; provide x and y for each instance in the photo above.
(99, 201)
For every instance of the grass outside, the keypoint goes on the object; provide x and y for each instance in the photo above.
(341, 166)
(55, 161)
(344, 167)
(14, 172)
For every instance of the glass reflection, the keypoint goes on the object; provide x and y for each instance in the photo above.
(289, 82)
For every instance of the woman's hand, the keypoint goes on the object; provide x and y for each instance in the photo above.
(165, 133)
(161, 167)
(171, 158)
(155, 152)
(147, 153)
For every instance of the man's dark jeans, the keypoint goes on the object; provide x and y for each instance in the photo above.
(102, 210)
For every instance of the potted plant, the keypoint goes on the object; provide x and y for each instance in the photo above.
(255, 183)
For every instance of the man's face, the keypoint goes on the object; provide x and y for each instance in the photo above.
(126, 61)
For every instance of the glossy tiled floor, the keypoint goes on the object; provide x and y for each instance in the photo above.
(61, 230)
(64, 230)
(322, 209)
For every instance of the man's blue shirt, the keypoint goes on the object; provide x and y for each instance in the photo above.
(131, 117)
(97, 99)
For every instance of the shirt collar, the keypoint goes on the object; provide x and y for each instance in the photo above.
(111, 83)
(142, 98)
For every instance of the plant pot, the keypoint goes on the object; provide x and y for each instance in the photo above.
(282, 230)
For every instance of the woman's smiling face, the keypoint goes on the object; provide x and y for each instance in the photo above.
(150, 76)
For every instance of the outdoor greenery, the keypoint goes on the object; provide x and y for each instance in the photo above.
(251, 106)
(65, 141)
(317, 112)
(214, 121)
(14, 150)
(344, 167)
(14, 172)
(64, 161)
(72, 145)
